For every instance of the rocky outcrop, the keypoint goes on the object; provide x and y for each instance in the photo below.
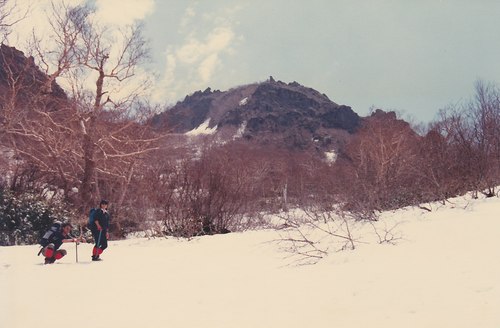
(20, 74)
(290, 114)
(275, 107)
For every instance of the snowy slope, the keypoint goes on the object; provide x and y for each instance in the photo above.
(444, 273)
(203, 129)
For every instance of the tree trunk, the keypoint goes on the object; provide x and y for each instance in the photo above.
(89, 145)
(88, 171)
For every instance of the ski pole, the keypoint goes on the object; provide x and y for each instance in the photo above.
(77, 242)
(98, 243)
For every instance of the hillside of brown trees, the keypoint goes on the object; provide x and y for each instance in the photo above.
(70, 148)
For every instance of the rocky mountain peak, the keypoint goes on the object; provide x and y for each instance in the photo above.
(295, 115)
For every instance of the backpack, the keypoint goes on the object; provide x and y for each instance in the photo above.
(47, 237)
(92, 214)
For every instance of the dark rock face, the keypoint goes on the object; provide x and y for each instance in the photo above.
(341, 118)
(24, 86)
(292, 114)
(389, 118)
(20, 73)
(186, 115)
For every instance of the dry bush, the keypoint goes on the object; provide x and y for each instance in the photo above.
(443, 170)
(206, 195)
(465, 145)
(223, 187)
(312, 233)
(376, 167)
(483, 112)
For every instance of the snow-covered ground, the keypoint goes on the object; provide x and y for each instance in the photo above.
(445, 272)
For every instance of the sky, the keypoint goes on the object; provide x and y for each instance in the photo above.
(415, 57)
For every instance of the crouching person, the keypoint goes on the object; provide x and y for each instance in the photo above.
(53, 240)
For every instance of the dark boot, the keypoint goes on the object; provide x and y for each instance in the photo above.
(49, 260)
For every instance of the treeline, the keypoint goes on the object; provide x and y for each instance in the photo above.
(388, 165)
(68, 149)
(187, 188)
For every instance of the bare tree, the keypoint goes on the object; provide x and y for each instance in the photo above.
(10, 15)
(468, 138)
(378, 165)
(484, 114)
(207, 195)
(99, 64)
(314, 233)
(446, 158)
(33, 125)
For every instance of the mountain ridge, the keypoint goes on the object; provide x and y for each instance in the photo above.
(291, 114)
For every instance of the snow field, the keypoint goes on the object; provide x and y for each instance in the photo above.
(445, 272)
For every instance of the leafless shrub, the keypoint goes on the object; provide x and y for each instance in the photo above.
(315, 233)
(376, 166)
(467, 145)
(311, 234)
(388, 234)
(206, 195)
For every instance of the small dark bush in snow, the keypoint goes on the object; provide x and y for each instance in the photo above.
(23, 218)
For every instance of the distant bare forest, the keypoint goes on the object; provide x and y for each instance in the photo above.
(62, 151)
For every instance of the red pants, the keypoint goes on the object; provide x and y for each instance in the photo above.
(50, 253)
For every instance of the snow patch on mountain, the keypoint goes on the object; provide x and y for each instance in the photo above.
(331, 156)
(240, 131)
(244, 101)
(203, 129)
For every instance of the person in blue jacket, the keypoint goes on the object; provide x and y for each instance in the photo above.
(52, 251)
(100, 230)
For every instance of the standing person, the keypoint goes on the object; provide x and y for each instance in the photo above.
(55, 240)
(99, 229)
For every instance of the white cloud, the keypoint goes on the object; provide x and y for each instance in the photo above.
(194, 50)
(123, 12)
(171, 65)
(220, 39)
(117, 12)
(186, 20)
(36, 12)
(190, 52)
(207, 67)
(192, 64)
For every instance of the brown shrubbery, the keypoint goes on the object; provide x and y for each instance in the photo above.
(387, 165)
(188, 188)
(184, 187)
(90, 143)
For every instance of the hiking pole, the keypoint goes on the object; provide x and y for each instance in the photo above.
(76, 244)
(98, 243)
